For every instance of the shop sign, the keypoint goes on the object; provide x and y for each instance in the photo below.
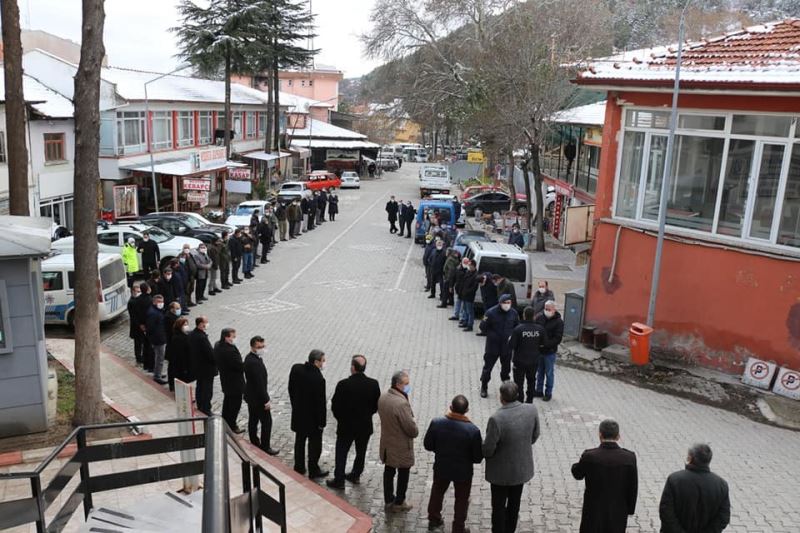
(559, 208)
(239, 186)
(346, 155)
(475, 157)
(126, 201)
(197, 197)
(196, 184)
(210, 158)
(593, 136)
(239, 174)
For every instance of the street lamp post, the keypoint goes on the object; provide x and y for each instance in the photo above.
(665, 180)
(150, 129)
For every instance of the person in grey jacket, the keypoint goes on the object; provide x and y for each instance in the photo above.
(542, 295)
(203, 262)
(509, 460)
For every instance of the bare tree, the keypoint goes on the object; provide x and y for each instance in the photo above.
(88, 387)
(15, 110)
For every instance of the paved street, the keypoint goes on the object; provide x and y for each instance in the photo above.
(350, 287)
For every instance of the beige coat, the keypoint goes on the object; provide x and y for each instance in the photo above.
(398, 429)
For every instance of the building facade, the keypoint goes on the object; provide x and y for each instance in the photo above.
(730, 277)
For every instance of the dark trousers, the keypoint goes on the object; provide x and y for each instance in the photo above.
(407, 224)
(343, 444)
(200, 289)
(148, 355)
(310, 221)
(138, 344)
(392, 226)
(293, 228)
(446, 296)
(522, 374)
(231, 405)
(489, 360)
(225, 275)
(314, 451)
(264, 250)
(257, 415)
(438, 490)
(389, 495)
(236, 263)
(505, 508)
(436, 279)
(205, 389)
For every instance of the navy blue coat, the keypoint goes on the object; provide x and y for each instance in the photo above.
(457, 445)
(154, 325)
(498, 326)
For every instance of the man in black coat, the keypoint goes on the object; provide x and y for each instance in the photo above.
(457, 443)
(391, 211)
(166, 287)
(695, 500)
(408, 217)
(525, 347)
(256, 394)
(309, 412)
(203, 364)
(553, 326)
(265, 238)
(231, 377)
(151, 254)
(354, 402)
(237, 251)
(157, 336)
(498, 323)
(612, 483)
(135, 332)
(436, 262)
(322, 204)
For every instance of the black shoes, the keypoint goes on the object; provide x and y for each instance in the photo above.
(335, 483)
(271, 451)
(484, 392)
(440, 306)
(537, 394)
(453, 318)
(430, 296)
(318, 474)
(352, 478)
(480, 334)
(547, 397)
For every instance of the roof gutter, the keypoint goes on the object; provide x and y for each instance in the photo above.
(783, 89)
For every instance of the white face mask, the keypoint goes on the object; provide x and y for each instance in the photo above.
(160, 305)
(186, 328)
(542, 290)
(260, 352)
(232, 340)
(549, 314)
(505, 307)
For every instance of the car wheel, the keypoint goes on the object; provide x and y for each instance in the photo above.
(71, 319)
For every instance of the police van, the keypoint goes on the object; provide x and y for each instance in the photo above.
(58, 282)
(508, 261)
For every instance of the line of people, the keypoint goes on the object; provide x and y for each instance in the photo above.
(404, 213)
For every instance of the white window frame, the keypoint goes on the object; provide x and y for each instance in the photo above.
(790, 142)
(184, 142)
(208, 117)
(122, 118)
(162, 116)
(251, 126)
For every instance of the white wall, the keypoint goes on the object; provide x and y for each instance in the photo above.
(54, 179)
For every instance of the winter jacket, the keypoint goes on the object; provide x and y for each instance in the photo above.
(166, 288)
(450, 266)
(231, 368)
(506, 287)
(264, 232)
(256, 391)
(154, 326)
(457, 280)
(507, 447)
(391, 210)
(307, 396)
(213, 254)
(293, 213)
(224, 256)
(280, 213)
(235, 248)
(202, 355)
(333, 204)
(179, 356)
(526, 344)
(469, 286)
(539, 300)
(437, 260)
(131, 258)
(151, 254)
(489, 294)
(554, 330)
(354, 403)
(398, 429)
(694, 500)
(133, 321)
(516, 238)
(456, 443)
(203, 262)
(498, 326)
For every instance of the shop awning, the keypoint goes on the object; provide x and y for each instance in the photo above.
(302, 153)
(334, 143)
(180, 167)
(264, 156)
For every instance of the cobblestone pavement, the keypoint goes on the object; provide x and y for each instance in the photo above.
(350, 287)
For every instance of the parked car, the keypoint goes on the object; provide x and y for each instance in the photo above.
(464, 237)
(180, 224)
(472, 190)
(240, 218)
(425, 166)
(444, 208)
(58, 282)
(203, 221)
(350, 180)
(293, 190)
(508, 261)
(487, 202)
(434, 180)
(387, 163)
(322, 179)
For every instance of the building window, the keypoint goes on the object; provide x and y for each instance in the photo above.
(206, 129)
(289, 83)
(2, 147)
(310, 83)
(251, 125)
(262, 124)
(302, 83)
(162, 130)
(733, 175)
(131, 132)
(54, 149)
(237, 125)
(186, 128)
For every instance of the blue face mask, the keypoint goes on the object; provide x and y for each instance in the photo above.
(407, 389)
(177, 312)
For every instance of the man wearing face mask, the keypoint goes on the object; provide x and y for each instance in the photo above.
(203, 365)
(498, 323)
(188, 261)
(437, 259)
(396, 449)
(143, 304)
(166, 288)
(236, 250)
(553, 326)
(456, 283)
(406, 221)
(231, 377)
(391, 211)
(172, 314)
(542, 295)
(469, 288)
(157, 336)
(224, 261)
(135, 332)
(203, 262)
(525, 347)
(309, 412)
(179, 354)
(259, 405)
(505, 287)
(151, 255)
(515, 237)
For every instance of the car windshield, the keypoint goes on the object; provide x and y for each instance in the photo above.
(511, 269)
(435, 173)
(192, 222)
(246, 209)
(158, 234)
(200, 218)
(291, 187)
(349, 175)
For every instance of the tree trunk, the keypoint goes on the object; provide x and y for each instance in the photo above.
(512, 190)
(270, 110)
(276, 103)
(88, 389)
(536, 170)
(228, 125)
(527, 179)
(15, 111)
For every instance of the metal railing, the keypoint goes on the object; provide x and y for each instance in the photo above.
(217, 505)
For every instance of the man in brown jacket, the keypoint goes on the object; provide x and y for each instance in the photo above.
(398, 431)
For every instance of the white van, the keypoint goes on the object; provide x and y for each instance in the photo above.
(58, 282)
(508, 261)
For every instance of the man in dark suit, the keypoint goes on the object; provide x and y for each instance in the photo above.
(256, 394)
(611, 483)
(354, 403)
(203, 364)
(151, 254)
(309, 412)
(231, 377)
(236, 250)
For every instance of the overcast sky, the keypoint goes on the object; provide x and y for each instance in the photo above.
(137, 31)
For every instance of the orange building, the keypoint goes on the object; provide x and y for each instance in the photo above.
(730, 278)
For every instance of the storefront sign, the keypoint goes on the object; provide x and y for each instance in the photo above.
(126, 201)
(210, 158)
(557, 210)
(241, 187)
(346, 155)
(593, 136)
(196, 184)
(239, 174)
(475, 157)
(197, 197)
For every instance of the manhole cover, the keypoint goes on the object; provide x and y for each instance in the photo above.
(564, 268)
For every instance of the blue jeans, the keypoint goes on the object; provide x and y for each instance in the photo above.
(247, 262)
(457, 310)
(544, 372)
(468, 311)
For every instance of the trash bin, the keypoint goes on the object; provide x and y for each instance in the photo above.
(640, 343)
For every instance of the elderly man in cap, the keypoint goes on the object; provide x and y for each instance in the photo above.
(553, 326)
(498, 323)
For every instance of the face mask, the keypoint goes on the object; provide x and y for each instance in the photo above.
(183, 259)
(202, 250)
(407, 389)
(167, 278)
(260, 352)
(505, 307)
(205, 328)
(177, 312)
(542, 290)
(516, 231)
(160, 305)
(136, 294)
(186, 251)
(232, 340)
(549, 314)
(465, 265)
(186, 328)
(146, 238)
(439, 247)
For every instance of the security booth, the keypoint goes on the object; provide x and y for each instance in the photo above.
(24, 241)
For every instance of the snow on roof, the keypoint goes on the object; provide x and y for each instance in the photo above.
(301, 104)
(41, 99)
(587, 115)
(767, 54)
(317, 129)
(24, 236)
(333, 143)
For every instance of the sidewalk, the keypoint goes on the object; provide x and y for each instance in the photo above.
(309, 507)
